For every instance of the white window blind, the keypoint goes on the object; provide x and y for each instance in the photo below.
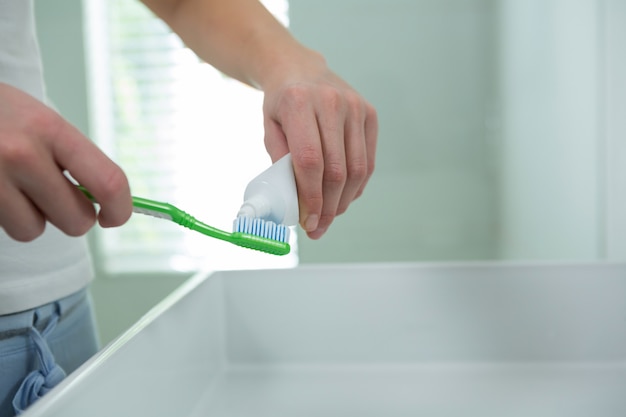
(183, 132)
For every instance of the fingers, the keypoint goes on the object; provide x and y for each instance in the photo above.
(34, 190)
(55, 197)
(356, 151)
(96, 172)
(371, 139)
(303, 138)
(19, 218)
(331, 128)
(36, 147)
(331, 133)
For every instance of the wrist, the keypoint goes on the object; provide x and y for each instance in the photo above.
(286, 64)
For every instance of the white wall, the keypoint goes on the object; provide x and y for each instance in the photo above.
(552, 185)
(502, 127)
(428, 67)
(615, 95)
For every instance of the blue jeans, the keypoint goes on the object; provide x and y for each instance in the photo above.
(39, 347)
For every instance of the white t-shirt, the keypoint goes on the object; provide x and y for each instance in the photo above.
(54, 265)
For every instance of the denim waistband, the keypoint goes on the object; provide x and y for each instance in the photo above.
(14, 324)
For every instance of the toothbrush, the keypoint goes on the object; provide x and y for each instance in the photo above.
(258, 234)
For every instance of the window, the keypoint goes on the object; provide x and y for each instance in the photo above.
(183, 132)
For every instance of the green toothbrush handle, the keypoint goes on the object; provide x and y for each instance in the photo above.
(170, 212)
(178, 216)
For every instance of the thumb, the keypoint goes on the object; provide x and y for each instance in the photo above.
(275, 140)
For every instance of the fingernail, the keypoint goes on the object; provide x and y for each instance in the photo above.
(310, 224)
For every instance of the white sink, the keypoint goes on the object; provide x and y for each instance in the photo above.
(387, 340)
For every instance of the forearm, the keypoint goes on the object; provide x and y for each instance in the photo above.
(239, 37)
(328, 128)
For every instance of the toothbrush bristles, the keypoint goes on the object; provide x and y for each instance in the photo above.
(263, 228)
